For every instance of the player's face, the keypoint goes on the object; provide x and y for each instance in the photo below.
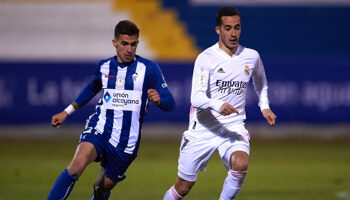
(229, 32)
(126, 47)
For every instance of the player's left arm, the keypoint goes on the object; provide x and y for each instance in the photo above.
(269, 116)
(159, 93)
(260, 85)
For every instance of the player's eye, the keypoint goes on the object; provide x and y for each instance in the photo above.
(124, 43)
(227, 28)
(134, 44)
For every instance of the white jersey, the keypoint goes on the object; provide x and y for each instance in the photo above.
(219, 78)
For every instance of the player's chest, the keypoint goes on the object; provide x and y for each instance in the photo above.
(131, 78)
(232, 69)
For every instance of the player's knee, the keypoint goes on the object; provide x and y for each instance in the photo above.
(240, 166)
(239, 161)
(99, 188)
(100, 192)
(75, 170)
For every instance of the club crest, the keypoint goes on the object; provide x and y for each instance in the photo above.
(134, 76)
(246, 70)
(120, 82)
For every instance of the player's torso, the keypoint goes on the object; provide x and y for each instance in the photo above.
(124, 87)
(228, 81)
(229, 76)
(119, 111)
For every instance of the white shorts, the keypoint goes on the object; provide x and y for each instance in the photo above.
(198, 146)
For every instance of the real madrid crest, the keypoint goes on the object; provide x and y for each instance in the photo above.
(246, 70)
(120, 82)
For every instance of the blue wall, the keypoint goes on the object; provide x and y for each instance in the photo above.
(307, 91)
(276, 32)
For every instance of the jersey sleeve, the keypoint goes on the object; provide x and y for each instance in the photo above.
(91, 89)
(260, 84)
(200, 82)
(158, 83)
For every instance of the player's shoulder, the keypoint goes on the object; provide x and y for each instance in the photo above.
(104, 61)
(248, 52)
(148, 63)
(207, 54)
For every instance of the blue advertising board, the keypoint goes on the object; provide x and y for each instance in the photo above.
(306, 91)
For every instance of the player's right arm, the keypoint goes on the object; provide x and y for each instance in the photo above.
(200, 82)
(90, 90)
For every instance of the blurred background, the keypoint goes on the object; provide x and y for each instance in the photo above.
(49, 49)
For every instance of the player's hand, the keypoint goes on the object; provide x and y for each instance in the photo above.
(269, 116)
(58, 119)
(153, 96)
(227, 109)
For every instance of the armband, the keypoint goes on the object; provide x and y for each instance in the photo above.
(70, 109)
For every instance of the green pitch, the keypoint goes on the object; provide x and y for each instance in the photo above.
(278, 170)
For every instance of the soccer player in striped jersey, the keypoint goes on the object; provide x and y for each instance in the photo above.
(112, 133)
(219, 85)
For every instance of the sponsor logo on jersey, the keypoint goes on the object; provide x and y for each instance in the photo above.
(221, 71)
(128, 100)
(120, 82)
(109, 76)
(246, 70)
(107, 97)
(231, 87)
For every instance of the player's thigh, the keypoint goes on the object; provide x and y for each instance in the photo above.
(84, 155)
(238, 146)
(194, 155)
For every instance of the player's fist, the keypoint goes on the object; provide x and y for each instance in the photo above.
(58, 119)
(227, 109)
(269, 116)
(153, 96)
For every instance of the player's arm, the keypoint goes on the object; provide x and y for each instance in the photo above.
(200, 82)
(260, 86)
(90, 90)
(159, 93)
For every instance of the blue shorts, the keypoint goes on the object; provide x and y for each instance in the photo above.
(114, 161)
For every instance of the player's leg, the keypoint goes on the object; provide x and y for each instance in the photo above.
(114, 164)
(179, 190)
(236, 176)
(234, 153)
(103, 186)
(194, 155)
(84, 155)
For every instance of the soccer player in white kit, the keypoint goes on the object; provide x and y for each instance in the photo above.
(219, 85)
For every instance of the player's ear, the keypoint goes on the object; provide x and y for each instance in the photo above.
(217, 30)
(114, 42)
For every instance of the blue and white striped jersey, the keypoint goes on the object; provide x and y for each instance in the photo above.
(119, 113)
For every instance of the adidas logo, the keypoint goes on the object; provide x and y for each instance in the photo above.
(220, 71)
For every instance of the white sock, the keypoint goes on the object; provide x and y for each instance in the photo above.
(171, 194)
(232, 185)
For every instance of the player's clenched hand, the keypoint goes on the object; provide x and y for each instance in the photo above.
(153, 96)
(227, 109)
(269, 116)
(58, 119)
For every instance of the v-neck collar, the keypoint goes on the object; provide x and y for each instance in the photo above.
(122, 65)
(237, 52)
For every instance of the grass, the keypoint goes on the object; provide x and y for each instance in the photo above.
(278, 170)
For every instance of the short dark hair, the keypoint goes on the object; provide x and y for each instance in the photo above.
(126, 27)
(225, 11)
